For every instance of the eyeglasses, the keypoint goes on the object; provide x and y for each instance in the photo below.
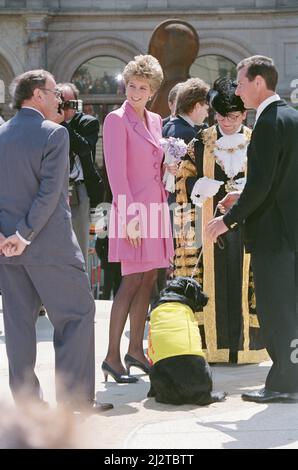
(57, 93)
(228, 117)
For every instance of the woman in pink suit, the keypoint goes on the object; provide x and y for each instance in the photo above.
(139, 232)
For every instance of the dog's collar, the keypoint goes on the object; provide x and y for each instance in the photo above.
(173, 297)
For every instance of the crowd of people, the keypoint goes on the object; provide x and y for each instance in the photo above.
(107, 84)
(235, 185)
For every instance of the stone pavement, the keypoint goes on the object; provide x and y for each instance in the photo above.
(137, 422)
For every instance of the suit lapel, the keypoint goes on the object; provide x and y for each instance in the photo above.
(137, 124)
(272, 105)
(154, 128)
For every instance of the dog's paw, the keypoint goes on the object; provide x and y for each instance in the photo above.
(151, 392)
(218, 396)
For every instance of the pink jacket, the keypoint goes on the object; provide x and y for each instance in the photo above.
(133, 160)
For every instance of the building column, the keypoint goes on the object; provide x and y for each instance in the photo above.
(36, 27)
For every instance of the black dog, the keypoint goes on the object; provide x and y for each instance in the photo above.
(180, 374)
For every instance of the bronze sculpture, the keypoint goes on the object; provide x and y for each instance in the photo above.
(175, 43)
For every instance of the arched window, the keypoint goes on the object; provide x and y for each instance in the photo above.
(210, 67)
(100, 76)
(101, 88)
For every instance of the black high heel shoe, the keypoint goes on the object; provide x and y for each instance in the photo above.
(132, 362)
(119, 378)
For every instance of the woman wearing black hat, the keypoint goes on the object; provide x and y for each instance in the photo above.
(215, 165)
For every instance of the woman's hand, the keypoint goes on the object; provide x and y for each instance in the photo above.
(133, 233)
(172, 168)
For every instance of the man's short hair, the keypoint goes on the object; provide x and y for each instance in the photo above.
(263, 66)
(173, 93)
(22, 87)
(191, 92)
(71, 86)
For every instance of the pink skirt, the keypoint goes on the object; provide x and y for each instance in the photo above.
(131, 267)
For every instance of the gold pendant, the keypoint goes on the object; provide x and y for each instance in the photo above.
(230, 185)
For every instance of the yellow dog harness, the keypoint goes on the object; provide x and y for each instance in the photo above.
(173, 332)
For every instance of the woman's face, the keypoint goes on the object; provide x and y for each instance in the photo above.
(138, 92)
(231, 122)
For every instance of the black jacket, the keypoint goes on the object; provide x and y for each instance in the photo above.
(83, 134)
(269, 201)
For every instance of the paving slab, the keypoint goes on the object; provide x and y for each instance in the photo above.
(138, 422)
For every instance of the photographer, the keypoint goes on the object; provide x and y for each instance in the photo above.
(85, 183)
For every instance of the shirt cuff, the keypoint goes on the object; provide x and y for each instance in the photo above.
(228, 221)
(22, 239)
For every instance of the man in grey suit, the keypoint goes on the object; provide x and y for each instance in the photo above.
(40, 260)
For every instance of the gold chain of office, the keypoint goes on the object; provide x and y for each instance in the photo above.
(233, 149)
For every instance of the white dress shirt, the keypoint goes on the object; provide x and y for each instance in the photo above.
(266, 103)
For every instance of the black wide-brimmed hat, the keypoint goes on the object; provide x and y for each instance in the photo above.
(222, 99)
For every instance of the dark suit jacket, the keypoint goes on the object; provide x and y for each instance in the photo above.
(269, 201)
(83, 135)
(179, 128)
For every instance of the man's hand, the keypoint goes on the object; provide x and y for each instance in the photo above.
(215, 228)
(13, 246)
(2, 240)
(228, 201)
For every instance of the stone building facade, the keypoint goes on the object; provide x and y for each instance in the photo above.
(61, 35)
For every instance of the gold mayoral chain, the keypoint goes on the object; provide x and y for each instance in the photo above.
(230, 184)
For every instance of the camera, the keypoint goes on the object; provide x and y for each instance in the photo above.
(71, 104)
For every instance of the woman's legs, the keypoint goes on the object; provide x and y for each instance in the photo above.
(129, 286)
(138, 313)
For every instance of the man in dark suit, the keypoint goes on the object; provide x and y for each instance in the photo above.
(85, 181)
(268, 208)
(40, 259)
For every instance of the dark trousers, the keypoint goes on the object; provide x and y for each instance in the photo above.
(276, 286)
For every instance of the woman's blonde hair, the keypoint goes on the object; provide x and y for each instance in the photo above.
(144, 67)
